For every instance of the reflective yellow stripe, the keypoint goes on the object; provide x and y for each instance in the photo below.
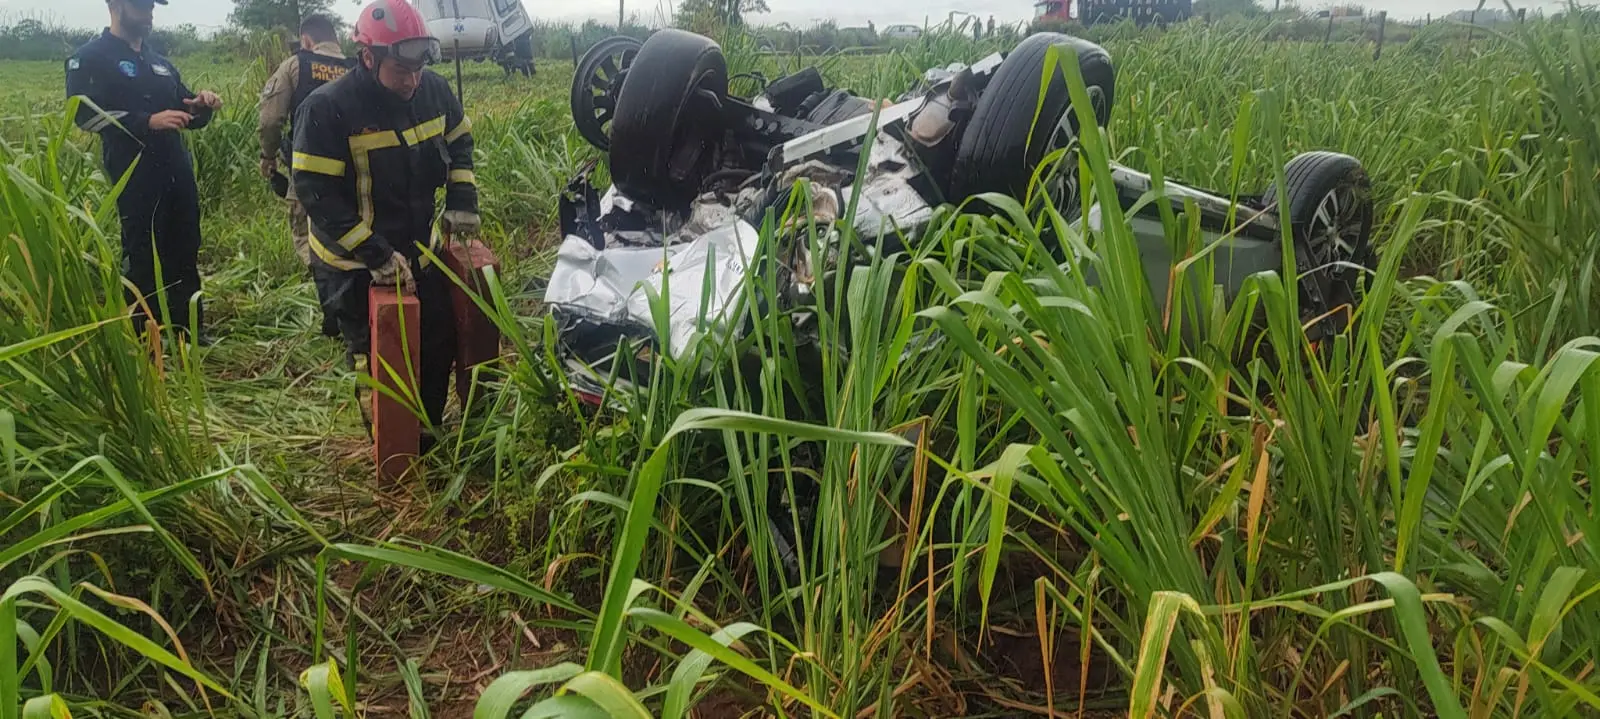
(463, 176)
(459, 130)
(333, 260)
(374, 141)
(361, 146)
(318, 164)
(427, 130)
(356, 236)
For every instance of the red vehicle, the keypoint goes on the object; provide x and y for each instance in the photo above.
(1053, 10)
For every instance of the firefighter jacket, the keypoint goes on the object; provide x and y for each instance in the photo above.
(290, 85)
(120, 89)
(367, 165)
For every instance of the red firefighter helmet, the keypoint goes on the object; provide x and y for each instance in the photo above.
(394, 27)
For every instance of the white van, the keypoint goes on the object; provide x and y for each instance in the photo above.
(475, 29)
(902, 32)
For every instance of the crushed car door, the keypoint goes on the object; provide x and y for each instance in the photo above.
(514, 21)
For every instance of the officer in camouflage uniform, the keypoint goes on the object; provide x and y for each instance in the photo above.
(319, 61)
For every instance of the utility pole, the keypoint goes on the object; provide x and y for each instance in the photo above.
(1383, 21)
(620, 19)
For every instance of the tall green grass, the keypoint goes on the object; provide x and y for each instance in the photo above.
(1030, 494)
(1391, 523)
(101, 432)
(60, 269)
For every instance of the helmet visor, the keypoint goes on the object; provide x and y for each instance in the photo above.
(415, 52)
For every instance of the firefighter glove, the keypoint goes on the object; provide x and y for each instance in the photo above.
(396, 270)
(459, 222)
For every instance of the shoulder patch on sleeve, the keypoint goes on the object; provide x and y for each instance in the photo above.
(74, 63)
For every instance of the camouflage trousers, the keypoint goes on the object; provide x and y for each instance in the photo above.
(300, 229)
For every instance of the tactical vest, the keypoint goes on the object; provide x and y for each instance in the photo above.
(315, 71)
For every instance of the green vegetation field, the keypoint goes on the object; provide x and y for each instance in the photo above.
(1048, 505)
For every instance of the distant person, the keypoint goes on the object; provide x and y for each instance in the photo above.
(136, 101)
(371, 149)
(318, 62)
(990, 31)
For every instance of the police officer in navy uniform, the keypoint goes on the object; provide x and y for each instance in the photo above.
(136, 101)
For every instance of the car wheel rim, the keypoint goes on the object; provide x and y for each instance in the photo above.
(1335, 236)
(1334, 241)
(1066, 130)
(1062, 185)
(602, 82)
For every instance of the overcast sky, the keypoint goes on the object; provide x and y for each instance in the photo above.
(214, 13)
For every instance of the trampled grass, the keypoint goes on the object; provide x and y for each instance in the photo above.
(1025, 495)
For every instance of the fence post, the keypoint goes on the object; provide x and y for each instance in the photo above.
(1327, 38)
(460, 93)
(573, 40)
(1383, 22)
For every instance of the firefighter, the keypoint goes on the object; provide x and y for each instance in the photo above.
(318, 62)
(135, 100)
(371, 149)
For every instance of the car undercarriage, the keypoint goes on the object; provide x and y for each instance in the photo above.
(696, 170)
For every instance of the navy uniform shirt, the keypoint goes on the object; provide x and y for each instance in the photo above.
(128, 86)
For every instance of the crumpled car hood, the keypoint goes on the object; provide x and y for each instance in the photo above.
(698, 279)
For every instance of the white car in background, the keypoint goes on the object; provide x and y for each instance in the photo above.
(901, 32)
(480, 29)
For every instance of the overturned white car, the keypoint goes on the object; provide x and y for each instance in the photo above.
(696, 170)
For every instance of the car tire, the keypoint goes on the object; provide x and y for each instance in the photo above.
(1329, 210)
(595, 86)
(1002, 145)
(668, 119)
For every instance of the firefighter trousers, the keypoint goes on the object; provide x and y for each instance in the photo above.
(300, 231)
(160, 215)
(344, 295)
